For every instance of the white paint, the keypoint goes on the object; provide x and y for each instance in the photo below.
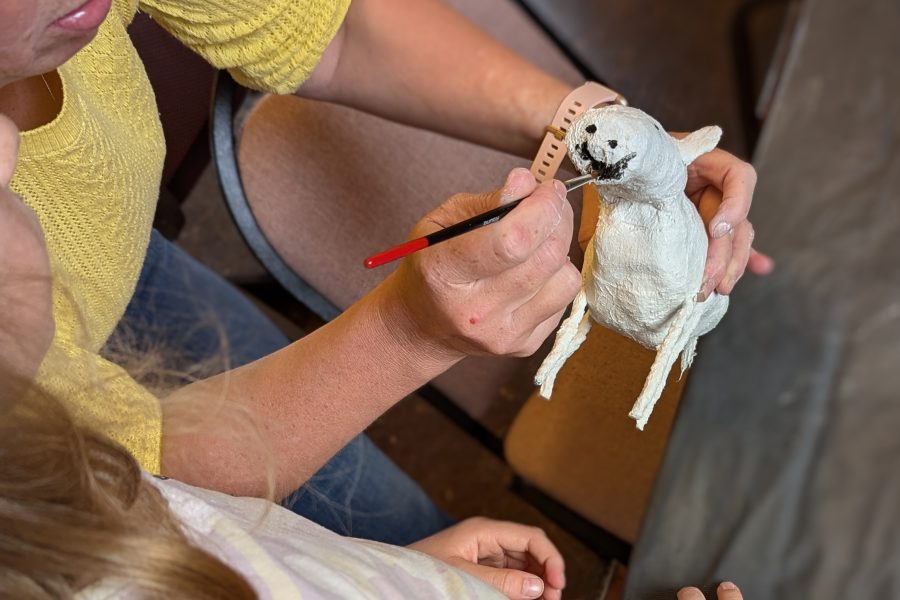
(643, 267)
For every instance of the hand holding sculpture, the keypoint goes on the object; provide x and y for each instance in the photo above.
(498, 290)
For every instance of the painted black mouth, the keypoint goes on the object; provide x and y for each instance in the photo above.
(606, 171)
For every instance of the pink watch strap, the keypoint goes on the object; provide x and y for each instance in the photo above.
(553, 148)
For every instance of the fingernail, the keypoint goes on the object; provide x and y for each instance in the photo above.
(524, 173)
(703, 293)
(727, 282)
(510, 190)
(532, 587)
(727, 585)
(721, 229)
(560, 189)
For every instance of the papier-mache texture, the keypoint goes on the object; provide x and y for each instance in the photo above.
(644, 265)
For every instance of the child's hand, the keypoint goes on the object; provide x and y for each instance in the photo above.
(725, 591)
(519, 561)
(26, 314)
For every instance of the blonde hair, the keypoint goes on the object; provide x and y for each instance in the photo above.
(75, 510)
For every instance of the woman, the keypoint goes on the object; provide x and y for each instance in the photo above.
(90, 164)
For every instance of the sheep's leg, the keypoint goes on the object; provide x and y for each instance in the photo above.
(687, 355)
(707, 316)
(570, 336)
(666, 354)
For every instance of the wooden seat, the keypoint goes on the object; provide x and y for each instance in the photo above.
(582, 449)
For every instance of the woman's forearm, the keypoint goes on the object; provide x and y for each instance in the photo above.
(296, 408)
(498, 290)
(421, 63)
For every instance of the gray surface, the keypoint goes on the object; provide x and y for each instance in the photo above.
(783, 471)
(674, 60)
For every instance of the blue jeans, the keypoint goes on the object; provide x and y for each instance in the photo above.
(190, 316)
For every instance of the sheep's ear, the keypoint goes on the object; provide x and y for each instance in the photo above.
(699, 142)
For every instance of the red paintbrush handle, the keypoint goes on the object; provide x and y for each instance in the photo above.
(376, 260)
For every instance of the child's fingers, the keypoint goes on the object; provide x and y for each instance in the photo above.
(690, 593)
(728, 591)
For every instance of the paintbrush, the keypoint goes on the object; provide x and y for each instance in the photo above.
(442, 235)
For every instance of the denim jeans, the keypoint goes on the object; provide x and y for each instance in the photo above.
(191, 316)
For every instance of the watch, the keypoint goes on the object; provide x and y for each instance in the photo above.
(553, 147)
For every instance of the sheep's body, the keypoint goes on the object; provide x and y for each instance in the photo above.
(644, 265)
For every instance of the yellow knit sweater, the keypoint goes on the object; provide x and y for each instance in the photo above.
(92, 175)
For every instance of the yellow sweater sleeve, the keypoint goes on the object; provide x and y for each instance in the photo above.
(269, 45)
(102, 396)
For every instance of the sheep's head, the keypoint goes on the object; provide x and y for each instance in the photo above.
(627, 147)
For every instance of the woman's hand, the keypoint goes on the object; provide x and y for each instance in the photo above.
(721, 186)
(725, 591)
(26, 313)
(501, 289)
(519, 561)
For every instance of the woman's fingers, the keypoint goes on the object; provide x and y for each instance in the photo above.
(514, 239)
(554, 296)
(737, 194)
(519, 184)
(721, 185)
(464, 291)
(541, 333)
(759, 263)
(735, 178)
(690, 593)
(727, 257)
(740, 254)
(718, 255)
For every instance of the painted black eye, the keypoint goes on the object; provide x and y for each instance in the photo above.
(591, 129)
(613, 143)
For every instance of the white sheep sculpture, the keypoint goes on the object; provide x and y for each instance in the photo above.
(644, 265)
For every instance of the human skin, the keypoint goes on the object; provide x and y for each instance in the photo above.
(30, 41)
(517, 560)
(384, 61)
(25, 283)
(725, 591)
(381, 64)
(500, 290)
(32, 46)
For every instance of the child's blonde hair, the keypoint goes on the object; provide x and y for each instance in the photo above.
(75, 510)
